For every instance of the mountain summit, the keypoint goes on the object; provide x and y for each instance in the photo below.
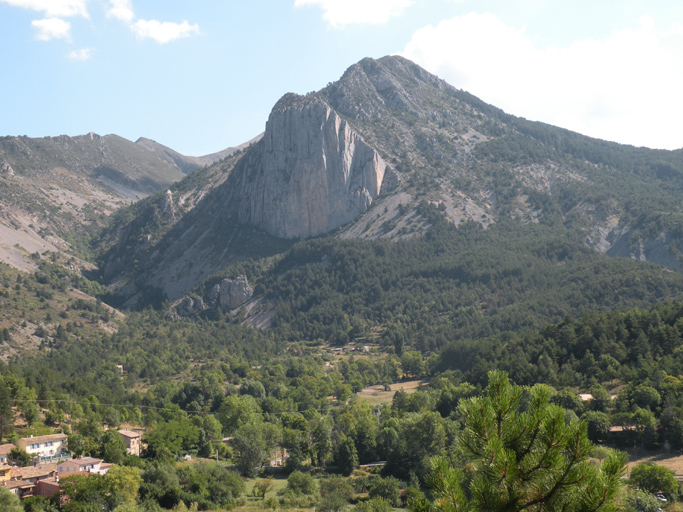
(374, 155)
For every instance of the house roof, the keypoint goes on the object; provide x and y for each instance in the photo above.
(620, 428)
(35, 471)
(40, 439)
(80, 462)
(6, 448)
(13, 484)
(129, 433)
(49, 482)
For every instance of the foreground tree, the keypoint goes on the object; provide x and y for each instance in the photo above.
(9, 502)
(523, 456)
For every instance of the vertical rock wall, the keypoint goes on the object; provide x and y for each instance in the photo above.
(310, 174)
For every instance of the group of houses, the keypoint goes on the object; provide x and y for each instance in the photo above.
(50, 462)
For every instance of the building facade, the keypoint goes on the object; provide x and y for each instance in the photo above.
(45, 447)
(132, 441)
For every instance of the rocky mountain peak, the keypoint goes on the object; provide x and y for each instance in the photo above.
(310, 174)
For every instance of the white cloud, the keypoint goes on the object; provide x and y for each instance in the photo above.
(163, 32)
(51, 28)
(53, 8)
(625, 87)
(121, 10)
(345, 12)
(82, 54)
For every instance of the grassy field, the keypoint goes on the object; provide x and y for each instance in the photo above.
(377, 395)
(670, 459)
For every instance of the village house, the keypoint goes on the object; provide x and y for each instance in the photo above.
(4, 452)
(47, 488)
(132, 441)
(46, 447)
(82, 465)
(23, 480)
(5, 472)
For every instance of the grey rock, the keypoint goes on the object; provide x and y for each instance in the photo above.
(186, 307)
(6, 169)
(214, 295)
(189, 306)
(234, 292)
(310, 174)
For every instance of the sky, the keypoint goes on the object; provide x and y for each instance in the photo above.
(202, 75)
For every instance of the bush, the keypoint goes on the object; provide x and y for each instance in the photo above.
(386, 488)
(600, 452)
(270, 503)
(376, 504)
(301, 484)
(641, 501)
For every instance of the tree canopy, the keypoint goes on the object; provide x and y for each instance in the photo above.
(522, 455)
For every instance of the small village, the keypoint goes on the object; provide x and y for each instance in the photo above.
(50, 461)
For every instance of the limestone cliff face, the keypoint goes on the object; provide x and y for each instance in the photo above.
(310, 174)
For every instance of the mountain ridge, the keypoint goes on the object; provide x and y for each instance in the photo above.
(59, 191)
(448, 149)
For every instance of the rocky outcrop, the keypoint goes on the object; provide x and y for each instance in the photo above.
(6, 169)
(231, 293)
(189, 306)
(310, 174)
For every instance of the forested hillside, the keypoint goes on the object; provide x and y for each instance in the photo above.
(485, 248)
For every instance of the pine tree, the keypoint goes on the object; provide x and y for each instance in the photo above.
(6, 414)
(523, 457)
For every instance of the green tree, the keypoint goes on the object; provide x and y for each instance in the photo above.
(523, 458)
(301, 483)
(601, 400)
(646, 396)
(113, 447)
(567, 399)
(18, 457)
(646, 426)
(335, 493)
(597, 425)
(412, 363)
(30, 412)
(652, 478)
(261, 487)
(250, 447)
(39, 504)
(123, 482)
(641, 501)
(6, 414)
(376, 504)
(347, 457)
(9, 502)
(236, 411)
(676, 433)
(321, 440)
(387, 489)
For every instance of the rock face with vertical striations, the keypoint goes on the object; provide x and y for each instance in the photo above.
(233, 292)
(310, 174)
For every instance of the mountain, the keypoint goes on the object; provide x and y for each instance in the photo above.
(57, 191)
(385, 152)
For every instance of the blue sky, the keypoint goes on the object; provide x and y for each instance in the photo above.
(202, 75)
